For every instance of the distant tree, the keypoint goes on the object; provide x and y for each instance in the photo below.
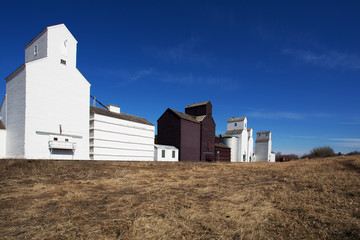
(321, 152)
(279, 157)
(353, 153)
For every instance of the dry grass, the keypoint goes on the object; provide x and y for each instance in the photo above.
(305, 199)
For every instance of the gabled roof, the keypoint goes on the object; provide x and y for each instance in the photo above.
(236, 119)
(227, 136)
(184, 116)
(235, 131)
(15, 72)
(160, 146)
(46, 29)
(221, 145)
(123, 116)
(200, 118)
(197, 104)
(263, 132)
(2, 126)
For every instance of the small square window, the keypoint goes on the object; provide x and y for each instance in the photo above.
(66, 140)
(55, 138)
(163, 153)
(35, 50)
(173, 154)
(62, 61)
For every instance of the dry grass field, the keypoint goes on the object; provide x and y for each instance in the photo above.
(304, 199)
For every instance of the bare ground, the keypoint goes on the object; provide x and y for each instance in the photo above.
(304, 199)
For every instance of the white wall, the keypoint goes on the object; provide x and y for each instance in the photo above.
(15, 119)
(2, 143)
(56, 94)
(262, 151)
(242, 124)
(272, 157)
(250, 157)
(118, 139)
(263, 147)
(231, 142)
(243, 146)
(168, 153)
(57, 35)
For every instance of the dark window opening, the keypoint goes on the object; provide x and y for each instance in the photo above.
(163, 153)
(35, 50)
(55, 138)
(173, 154)
(62, 61)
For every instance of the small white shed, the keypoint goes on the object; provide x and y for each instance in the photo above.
(165, 153)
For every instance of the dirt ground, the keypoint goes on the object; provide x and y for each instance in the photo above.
(303, 199)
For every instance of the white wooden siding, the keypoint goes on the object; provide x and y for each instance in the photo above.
(122, 140)
(15, 122)
(168, 153)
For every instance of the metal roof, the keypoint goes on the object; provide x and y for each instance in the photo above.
(235, 131)
(227, 136)
(200, 118)
(184, 116)
(165, 147)
(221, 145)
(197, 104)
(236, 119)
(264, 132)
(123, 116)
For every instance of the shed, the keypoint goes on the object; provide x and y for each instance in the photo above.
(165, 153)
(223, 153)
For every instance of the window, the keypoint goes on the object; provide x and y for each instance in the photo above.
(55, 138)
(235, 124)
(173, 154)
(62, 61)
(163, 153)
(66, 140)
(35, 50)
(245, 124)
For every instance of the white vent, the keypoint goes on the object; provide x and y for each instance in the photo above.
(113, 108)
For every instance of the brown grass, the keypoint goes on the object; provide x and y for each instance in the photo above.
(305, 199)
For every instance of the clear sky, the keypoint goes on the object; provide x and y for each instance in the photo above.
(291, 67)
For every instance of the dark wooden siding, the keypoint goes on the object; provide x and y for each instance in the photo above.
(205, 109)
(190, 141)
(208, 139)
(169, 129)
(222, 154)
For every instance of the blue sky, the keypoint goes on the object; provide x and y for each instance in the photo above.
(291, 67)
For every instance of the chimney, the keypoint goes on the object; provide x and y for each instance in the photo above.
(113, 108)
